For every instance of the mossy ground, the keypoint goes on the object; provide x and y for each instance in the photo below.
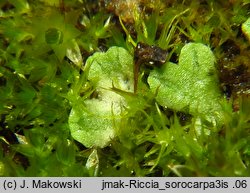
(43, 48)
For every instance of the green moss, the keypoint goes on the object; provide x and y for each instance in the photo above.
(55, 70)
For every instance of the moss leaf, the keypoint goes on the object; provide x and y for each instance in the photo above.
(246, 28)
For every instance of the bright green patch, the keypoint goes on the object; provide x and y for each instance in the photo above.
(190, 86)
(92, 123)
(246, 28)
